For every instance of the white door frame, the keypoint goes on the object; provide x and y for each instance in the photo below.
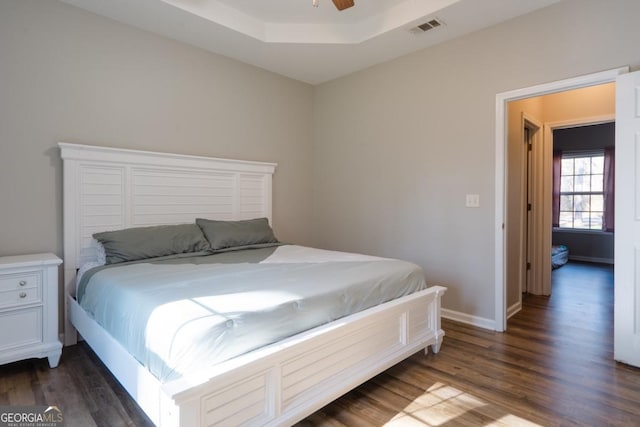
(500, 184)
(536, 198)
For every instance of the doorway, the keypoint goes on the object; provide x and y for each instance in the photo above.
(529, 180)
(501, 176)
(584, 150)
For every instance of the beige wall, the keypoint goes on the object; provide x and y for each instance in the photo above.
(397, 146)
(378, 161)
(580, 104)
(68, 75)
(589, 102)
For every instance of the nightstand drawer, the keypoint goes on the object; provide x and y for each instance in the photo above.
(20, 327)
(28, 279)
(20, 297)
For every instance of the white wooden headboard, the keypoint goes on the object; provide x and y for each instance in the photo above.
(110, 189)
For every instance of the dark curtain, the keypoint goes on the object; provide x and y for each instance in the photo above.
(557, 167)
(609, 186)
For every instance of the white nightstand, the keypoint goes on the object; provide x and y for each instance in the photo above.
(29, 308)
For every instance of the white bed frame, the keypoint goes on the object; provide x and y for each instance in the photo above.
(107, 188)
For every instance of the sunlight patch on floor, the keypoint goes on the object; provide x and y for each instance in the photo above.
(442, 404)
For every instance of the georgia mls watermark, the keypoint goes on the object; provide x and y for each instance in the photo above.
(31, 416)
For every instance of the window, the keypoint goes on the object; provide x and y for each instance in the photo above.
(582, 191)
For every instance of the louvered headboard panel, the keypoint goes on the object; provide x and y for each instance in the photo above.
(110, 189)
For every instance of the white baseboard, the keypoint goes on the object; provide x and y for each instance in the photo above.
(591, 259)
(514, 309)
(480, 322)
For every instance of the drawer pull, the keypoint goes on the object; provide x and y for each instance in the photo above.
(23, 294)
(23, 282)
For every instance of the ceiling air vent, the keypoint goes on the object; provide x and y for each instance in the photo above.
(429, 25)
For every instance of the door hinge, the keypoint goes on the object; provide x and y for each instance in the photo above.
(529, 206)
(529, 148)
(528, 266)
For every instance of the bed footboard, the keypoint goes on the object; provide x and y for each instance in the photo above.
(284, 382)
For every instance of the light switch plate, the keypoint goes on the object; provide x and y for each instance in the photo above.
(473, 200)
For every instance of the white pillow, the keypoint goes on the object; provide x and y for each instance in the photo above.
(101, 257)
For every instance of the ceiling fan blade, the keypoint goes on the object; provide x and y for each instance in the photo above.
(343, 4)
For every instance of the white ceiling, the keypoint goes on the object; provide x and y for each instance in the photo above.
(297, 40)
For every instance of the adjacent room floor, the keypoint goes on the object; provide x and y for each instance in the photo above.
(553, 366)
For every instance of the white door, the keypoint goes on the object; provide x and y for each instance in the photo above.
(627, 220)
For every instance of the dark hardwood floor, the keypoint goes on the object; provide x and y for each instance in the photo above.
(554, 366)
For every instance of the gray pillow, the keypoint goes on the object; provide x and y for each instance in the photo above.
(235, 235)
(133, 244)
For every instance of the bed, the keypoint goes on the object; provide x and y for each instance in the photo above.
(272, 383)
(559, 256)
